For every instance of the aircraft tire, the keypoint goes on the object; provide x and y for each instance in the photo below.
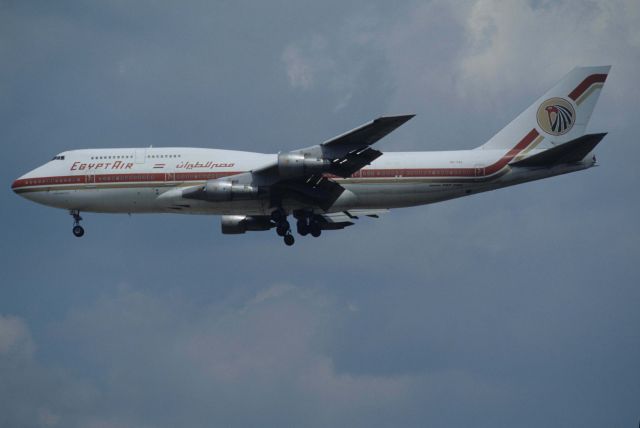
(315, 230)
(303, 229)
(78, 231)
(282, 228)
(289, 240)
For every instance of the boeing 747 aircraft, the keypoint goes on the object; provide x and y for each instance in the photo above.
(326, 186)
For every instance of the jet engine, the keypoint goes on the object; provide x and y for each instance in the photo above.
(222, 191)
(298, 165)
(236, 224)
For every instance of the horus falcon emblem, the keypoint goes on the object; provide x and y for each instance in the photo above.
(559, 117)
(556, 116)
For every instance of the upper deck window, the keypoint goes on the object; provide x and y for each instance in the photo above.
(58, 158)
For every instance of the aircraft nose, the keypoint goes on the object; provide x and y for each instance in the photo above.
(18, 184)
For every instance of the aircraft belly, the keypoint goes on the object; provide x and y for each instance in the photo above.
(397, 195)
(56, 199)
(250, 207)
(137, 200)
(129, 200)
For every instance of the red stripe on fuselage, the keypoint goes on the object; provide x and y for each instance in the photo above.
(40, 181)
(453, 172)
(92, 179)
(586, 84)
(141, 177)
(524, 143)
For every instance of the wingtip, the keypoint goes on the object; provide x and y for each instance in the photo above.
(399, 118)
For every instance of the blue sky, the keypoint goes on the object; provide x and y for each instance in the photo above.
(517, 307)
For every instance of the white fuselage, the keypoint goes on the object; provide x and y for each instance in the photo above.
(151, 180)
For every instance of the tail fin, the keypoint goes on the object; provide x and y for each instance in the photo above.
(560, 115)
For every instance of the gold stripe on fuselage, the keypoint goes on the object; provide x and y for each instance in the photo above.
(151, 185)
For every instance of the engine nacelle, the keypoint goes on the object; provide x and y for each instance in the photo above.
(236, 224)
(297, 165)
(222, 191)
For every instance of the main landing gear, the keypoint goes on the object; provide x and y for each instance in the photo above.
(306, 223)
(78, 230)
(283, 228)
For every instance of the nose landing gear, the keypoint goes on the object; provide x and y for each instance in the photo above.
(78, 230)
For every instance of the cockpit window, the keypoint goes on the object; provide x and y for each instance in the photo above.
(58, 158)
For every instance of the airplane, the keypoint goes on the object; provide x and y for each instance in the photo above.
(326, 186)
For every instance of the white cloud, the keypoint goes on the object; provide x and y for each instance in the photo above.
(306, 62)
(239, 364)
(473, 66)
(15, 339)
(32, 395)
(298, 69)
(272, 292)
(516, 45)
(338, 63)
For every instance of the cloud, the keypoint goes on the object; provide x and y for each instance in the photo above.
(261, 360)
(471, 67)
(15, 340)
(340, 63)
(511, 39)
(303, 64)
(226, 364)
(32, 395)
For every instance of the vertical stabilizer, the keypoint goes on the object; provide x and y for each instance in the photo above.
(560, 115)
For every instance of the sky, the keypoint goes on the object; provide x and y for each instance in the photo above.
(517, 307)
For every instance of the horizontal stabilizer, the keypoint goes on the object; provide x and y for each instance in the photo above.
(569, 152)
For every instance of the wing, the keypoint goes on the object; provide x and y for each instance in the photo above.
(351, 151)
(367, 134)
(348, 152)
(306, 175)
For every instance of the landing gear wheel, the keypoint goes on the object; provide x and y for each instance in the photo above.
(315, 230)
(282, 228)
(302, 227)
(289, 240)
(78, 230)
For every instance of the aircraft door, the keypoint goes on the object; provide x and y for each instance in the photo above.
(90, 179)
(141, 155)
(479, 170)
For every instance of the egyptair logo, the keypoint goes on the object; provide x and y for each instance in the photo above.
(556, 116)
